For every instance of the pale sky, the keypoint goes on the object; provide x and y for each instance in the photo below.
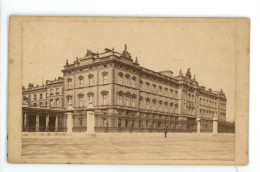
(207, 48)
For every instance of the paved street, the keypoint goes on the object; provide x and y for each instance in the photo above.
(131, 146)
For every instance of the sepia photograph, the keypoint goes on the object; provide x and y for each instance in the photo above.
(128, 90)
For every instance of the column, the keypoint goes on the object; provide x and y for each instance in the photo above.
(47, 123)
(215, 125)
(90, 119)
(25, 120)
(57, 123)
(37, 122)
(69, 118)
(198, 124)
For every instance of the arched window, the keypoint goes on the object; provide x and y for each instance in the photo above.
(120, 98)
(91, 79)
(105, 76)
(90, 97)
(69, 83)
(120, 78)
(154, 104)
(69, 99)
(80, 96)
(127, 76)
(127, 99)
(148, 103)
(104, 96)
(166, 107)
(160, 90)
(133, 81)
(133, 100)
(81, 79)
(154, 86)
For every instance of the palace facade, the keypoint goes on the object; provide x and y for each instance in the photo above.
(126, 97)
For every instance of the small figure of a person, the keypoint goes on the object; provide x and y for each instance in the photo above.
(165, 133)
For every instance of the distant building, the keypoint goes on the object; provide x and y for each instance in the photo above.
(127, 97)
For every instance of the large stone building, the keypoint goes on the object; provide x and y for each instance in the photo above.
(126, 97)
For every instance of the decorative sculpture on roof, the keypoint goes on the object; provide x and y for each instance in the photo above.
(194, 78)
(180, 73)
(125, 53)
(89, 53)
(136, 61)
(188, 74)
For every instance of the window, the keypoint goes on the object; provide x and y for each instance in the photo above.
(40, 96)
(160, 106)
(127, 80)
(120, 99)
(153, 88)
(120, 77)
(81, 83)
(105, 75)
(104, 99)
(35, 97)
(57, 102)
(69, 84)
(90, 97)
(104, 79)
(160, 90)
(104, 96)
(51, 92)
(40, 104)
(147, 87)
(80, 101)
(29, 97)
(127, 100)
(91, 79)
(133, 102)
(166, 90)
(147, 103)
(51, 102)
(154, 104)
(133, 81)
(69, 98)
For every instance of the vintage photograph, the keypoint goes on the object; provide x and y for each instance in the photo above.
(128, 90)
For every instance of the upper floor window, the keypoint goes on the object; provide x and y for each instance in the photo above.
(133, 101)
(105, 76)
(69, 99)
(120, 78)
(90, 97)
(127, 100)
(166, 91)
(154, 104)
(166, 107)
(35, 96)
(147, 103)
(91, 79)
(133, 81)
(160, 90)
(81, 81)
(41, 96)
(69, 83)
(104, 96)
(81, 103)
(160, 106)
(51, 102)
(120, 100)
(148, 86)
(57, 102)
(127, 79)
(154, 86)
(57, 90)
